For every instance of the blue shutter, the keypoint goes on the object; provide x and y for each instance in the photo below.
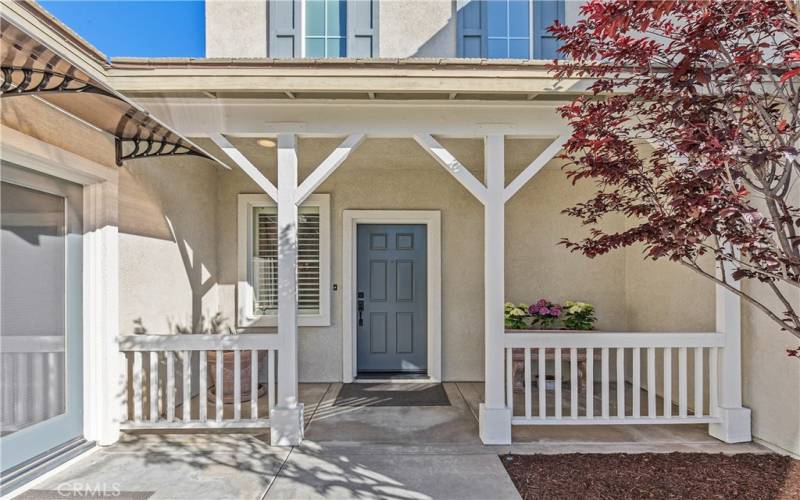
(545, 13)
(362, 28)
(471, 29)
(284, 28)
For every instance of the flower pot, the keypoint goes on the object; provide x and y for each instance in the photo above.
(228, 371)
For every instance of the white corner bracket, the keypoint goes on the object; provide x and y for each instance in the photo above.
(242, 162)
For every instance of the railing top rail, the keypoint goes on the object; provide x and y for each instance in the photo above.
(197, 342)
(612, 339)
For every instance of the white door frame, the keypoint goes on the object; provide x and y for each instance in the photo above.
(103, 381)
(432, 220)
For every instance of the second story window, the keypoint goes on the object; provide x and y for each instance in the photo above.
(323, 28)
(508, 29)
(326, 28)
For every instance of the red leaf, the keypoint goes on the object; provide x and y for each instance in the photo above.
(708, 44)
(782, 125)
(790, 74)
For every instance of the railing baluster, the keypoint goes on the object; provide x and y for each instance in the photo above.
(170, 386)
(573, 382)
(542, 386)
(683, 394)
(153, 385)
(651, 382)
(237, 385)
(604, 381)
(557, 361)
(713, 387)
(186, 395)
(620, 382)
(270, 381)
(668, 382)
(637, 382)
(203, 398)
(510, 379)
(698, 381)
(137, 386)
(253, 384)
(590, 382)
(528, 377)
(219, 387)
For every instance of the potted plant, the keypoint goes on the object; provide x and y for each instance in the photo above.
(216, 326)
(578, 316)
(515, 316)
(544, 313)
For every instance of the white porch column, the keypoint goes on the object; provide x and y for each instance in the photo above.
(494, 415)
(735, 425)
(286, 419)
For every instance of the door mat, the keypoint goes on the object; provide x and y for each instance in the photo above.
(392, 395)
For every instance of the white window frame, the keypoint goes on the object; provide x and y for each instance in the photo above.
(303, 35)
(244, 288)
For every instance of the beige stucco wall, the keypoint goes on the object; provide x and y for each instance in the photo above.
(167, 243)
(419, 28)
(236, 28)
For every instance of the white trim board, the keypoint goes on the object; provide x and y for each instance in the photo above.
(432, 220)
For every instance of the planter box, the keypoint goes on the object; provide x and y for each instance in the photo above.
(518, 359)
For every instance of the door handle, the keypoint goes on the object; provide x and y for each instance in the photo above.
(360, 312)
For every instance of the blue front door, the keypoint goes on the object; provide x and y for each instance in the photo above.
(392, 298)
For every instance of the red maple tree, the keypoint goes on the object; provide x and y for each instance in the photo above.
(712, 87)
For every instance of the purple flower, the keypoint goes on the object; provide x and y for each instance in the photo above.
(533, 309)
(555, 311)
(544, 311)
(542, 303)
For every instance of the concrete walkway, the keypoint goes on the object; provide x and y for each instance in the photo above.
(351, 452)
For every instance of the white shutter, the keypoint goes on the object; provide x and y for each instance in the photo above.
(265, 261)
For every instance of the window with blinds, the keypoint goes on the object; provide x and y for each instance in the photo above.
(265, 261)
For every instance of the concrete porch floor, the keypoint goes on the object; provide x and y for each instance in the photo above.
(353, 452)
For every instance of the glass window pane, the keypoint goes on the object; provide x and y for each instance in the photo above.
(265, 260)
(32, 309)
(264, 277)
(519, 49)
(497, 12)
(519, 18)
(337, 18)
(315, 47)
(337, 47)
(315, 17)
(498, 48)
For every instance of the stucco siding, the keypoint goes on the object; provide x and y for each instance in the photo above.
(236, 29)
(421, 28)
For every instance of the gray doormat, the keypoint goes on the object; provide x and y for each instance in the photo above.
(406, 394)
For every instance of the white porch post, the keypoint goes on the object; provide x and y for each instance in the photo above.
(494, 415)
(735, 425)
(286, 419)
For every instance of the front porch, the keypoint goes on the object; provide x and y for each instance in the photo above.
(356, 452)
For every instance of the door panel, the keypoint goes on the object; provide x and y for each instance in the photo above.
(392, 298)
(41, 266)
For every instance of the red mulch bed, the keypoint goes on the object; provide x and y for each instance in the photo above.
(654, 475)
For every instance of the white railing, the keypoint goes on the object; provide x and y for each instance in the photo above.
(155, 362)
(631, 397)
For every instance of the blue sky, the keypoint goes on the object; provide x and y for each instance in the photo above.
(147, 28)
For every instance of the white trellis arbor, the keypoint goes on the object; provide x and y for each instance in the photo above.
(229, 118)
